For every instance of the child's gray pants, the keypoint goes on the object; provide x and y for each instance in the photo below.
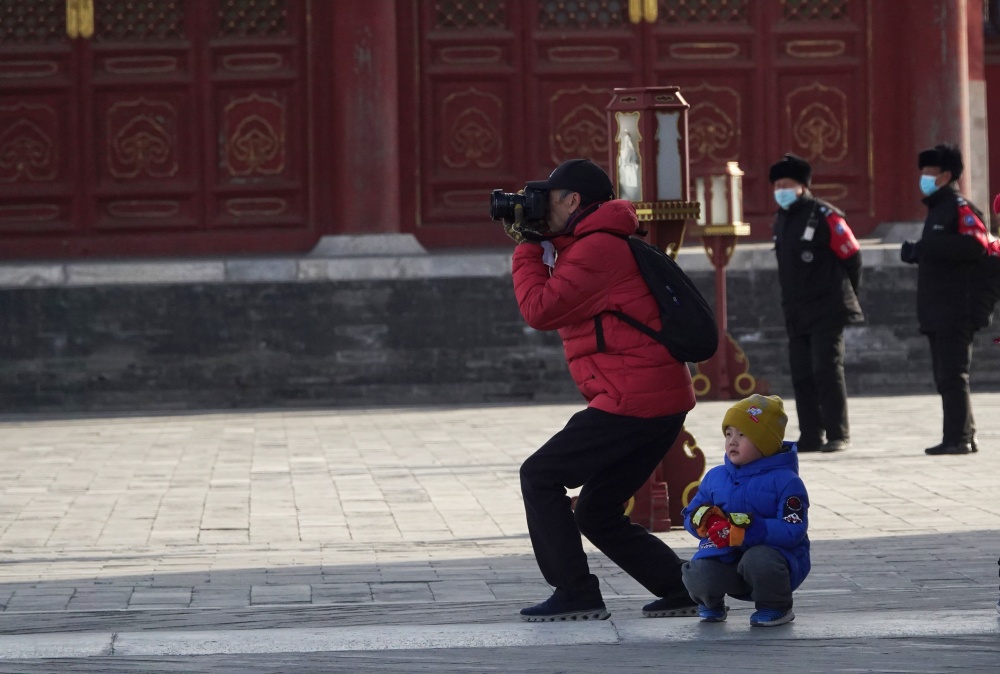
(760, 575)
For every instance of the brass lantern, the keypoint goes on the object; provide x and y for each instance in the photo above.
(648, 155)
(720, 195)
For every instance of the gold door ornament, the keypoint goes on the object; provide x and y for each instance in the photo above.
(80, 19)
(642, 10)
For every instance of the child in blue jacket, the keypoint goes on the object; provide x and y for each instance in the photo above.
(750, 515)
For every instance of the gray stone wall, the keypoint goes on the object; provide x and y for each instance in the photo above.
(404, 330)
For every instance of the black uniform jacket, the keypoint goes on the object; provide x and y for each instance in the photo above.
(946, 259)
(819, 290)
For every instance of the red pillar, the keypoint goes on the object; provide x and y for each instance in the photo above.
(365, 154)
(979, 159)
(938, 42)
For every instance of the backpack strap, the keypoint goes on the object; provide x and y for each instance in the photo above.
(638, 325)
(599, 333)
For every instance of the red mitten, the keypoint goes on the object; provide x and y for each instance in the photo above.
(705, 516)
(718, 532)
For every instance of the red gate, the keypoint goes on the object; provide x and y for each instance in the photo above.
(504, 91)
(157, 126)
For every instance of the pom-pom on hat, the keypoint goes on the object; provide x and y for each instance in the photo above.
(946, 157)
(791, 166)
(760, 418)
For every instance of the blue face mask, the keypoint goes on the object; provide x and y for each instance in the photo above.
(786, 196)
(927, 185)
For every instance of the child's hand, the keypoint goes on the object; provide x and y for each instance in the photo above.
(719, 531)
(727, 531)
(704, 516)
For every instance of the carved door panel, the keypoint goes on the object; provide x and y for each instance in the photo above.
(154, 126)
(141, 135)
(39, 91)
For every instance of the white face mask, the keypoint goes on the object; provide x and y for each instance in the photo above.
(786, 196)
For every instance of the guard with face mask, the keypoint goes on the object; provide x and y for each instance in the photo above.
(819, 270)
(953, 243)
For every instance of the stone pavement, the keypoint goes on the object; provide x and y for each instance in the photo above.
(394, 540)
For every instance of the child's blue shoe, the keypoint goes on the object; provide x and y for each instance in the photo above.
(771, 617)
(714, 614)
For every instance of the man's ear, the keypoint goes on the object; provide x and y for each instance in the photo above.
(950, 178)
(574, 201)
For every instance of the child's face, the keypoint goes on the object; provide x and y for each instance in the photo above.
(739, 449)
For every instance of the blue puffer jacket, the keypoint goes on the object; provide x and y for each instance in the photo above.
(772, 493)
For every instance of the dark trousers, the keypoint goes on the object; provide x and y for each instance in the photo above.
(611, 457)
(951, 357)
(817, 366)
(760, 575)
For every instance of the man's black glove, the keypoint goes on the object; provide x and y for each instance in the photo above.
(910, 252)
(520, 231)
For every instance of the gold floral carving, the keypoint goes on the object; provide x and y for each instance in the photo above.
(26, 151)
(473, 137)
(256, 144)
(817, 119)
(582, 130)
(713, 133)
(140, 139)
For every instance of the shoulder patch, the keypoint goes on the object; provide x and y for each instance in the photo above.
(791, 511)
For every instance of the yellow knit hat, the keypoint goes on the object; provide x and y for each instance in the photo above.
(760, 418)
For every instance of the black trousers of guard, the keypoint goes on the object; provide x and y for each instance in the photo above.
(610, 456)
(817, 366)
(951, 358)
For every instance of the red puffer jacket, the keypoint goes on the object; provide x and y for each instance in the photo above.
(634, 375)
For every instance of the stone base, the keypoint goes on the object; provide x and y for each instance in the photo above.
(455, 336)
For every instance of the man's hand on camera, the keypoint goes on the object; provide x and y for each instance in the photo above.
(522, 232)
(513, 232)
(513, 229)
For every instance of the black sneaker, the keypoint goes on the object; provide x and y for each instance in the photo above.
(954, 448)
(808, 445)
(557, 608)
(835, 446)
(671, 607)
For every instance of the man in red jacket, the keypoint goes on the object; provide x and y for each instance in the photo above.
(637, 394)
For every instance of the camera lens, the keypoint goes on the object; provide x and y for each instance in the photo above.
(502, 205)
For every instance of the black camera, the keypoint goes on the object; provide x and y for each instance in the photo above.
(534, 202)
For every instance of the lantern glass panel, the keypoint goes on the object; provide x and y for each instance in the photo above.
(629, 162)
(668, 156)
(720, 210)
(699, 191)
(736, 198)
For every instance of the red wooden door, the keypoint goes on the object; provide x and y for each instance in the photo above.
(765, 78)
(156, 127)
(507, 90)
(504, 91)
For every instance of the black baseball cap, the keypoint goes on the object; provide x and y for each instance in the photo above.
(578, 175)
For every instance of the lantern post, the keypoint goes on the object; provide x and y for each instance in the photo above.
(726, 375)
(648, 156)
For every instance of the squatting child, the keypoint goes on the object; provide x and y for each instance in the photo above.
(751, 517)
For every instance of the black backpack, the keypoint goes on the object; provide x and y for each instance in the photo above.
(985, 284)
(689, 330)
